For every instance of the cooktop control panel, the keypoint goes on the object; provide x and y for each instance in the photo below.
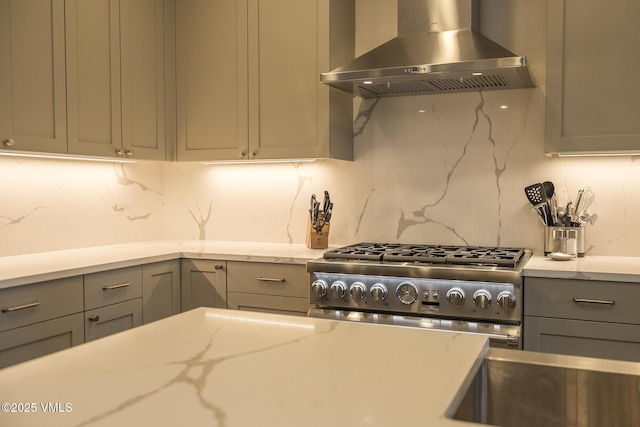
(419, 296)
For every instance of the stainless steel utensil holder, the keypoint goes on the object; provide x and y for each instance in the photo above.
(569, 240)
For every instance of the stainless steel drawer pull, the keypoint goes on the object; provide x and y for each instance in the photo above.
(94, 318)
(271, 279)
(594, 301)
(20, 307)
(121, 285)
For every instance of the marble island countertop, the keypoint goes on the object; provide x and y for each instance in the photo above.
(24, 269)
(210, 367)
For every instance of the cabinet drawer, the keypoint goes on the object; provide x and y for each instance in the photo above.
(290, 280)
(111, 319)
(111, 287)
(582, 300)
(29, 342)
(268, 303)
(24, 305)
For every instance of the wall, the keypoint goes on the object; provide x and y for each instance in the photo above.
(446, 169)
(50, 204)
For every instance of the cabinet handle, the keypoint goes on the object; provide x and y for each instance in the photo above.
(20, 307)
(594, 301)
(129, 153)
(218, 266)
(9, 142)
(121, 285)
(94, 318)
(118, 152)
(271, 279)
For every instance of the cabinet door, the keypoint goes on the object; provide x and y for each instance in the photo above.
(582, 338)
(203, 284)
(93, 76)
(32, 76)
(268, 303)
(292, 114)
(142, 61)
(22, 344)
(211, 73)
(160, 290)
(592, 85)
(284, 82)
(111, 319)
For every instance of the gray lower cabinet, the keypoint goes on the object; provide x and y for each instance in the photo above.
(203, 283)
(28, 342)
(582, 318)
(268, 287)
(160, 290)
(39, 319)
(112, 301)
(108, 320)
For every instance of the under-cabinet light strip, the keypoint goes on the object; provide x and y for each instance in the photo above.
(65, 157)
(250, 162)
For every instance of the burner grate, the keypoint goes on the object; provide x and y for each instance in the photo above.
(360, 251)
(487, 256)
(431, 254)
(421, 253)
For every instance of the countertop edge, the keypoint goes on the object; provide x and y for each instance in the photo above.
(600, 268)
(45, 266)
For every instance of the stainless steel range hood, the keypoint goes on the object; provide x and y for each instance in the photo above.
(436, 51)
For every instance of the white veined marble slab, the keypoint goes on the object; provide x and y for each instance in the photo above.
(210, 367)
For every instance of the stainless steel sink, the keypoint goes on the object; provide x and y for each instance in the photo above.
(525, 389)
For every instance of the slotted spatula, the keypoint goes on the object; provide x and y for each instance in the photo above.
(537, 196)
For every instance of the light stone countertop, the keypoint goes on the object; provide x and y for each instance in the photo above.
(24, 269)
(211, 367)
(590, 267)
(38, 267)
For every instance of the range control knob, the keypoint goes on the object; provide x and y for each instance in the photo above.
(378, 292)
(482, 298)
(338, 289)
(358, 290)
(407, 293)
(455, 296)
(506, 300)
(318, 288)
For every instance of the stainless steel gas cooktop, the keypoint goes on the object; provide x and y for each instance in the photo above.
(465, 288)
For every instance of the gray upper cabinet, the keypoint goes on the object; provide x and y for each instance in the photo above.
(32, 76)
(592, 86)
(211, 74)
(115, 78)
(248, 79)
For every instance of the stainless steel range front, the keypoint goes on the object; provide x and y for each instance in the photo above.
(459, 288)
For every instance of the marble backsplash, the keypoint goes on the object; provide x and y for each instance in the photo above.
(446, 169)
(439, 169)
